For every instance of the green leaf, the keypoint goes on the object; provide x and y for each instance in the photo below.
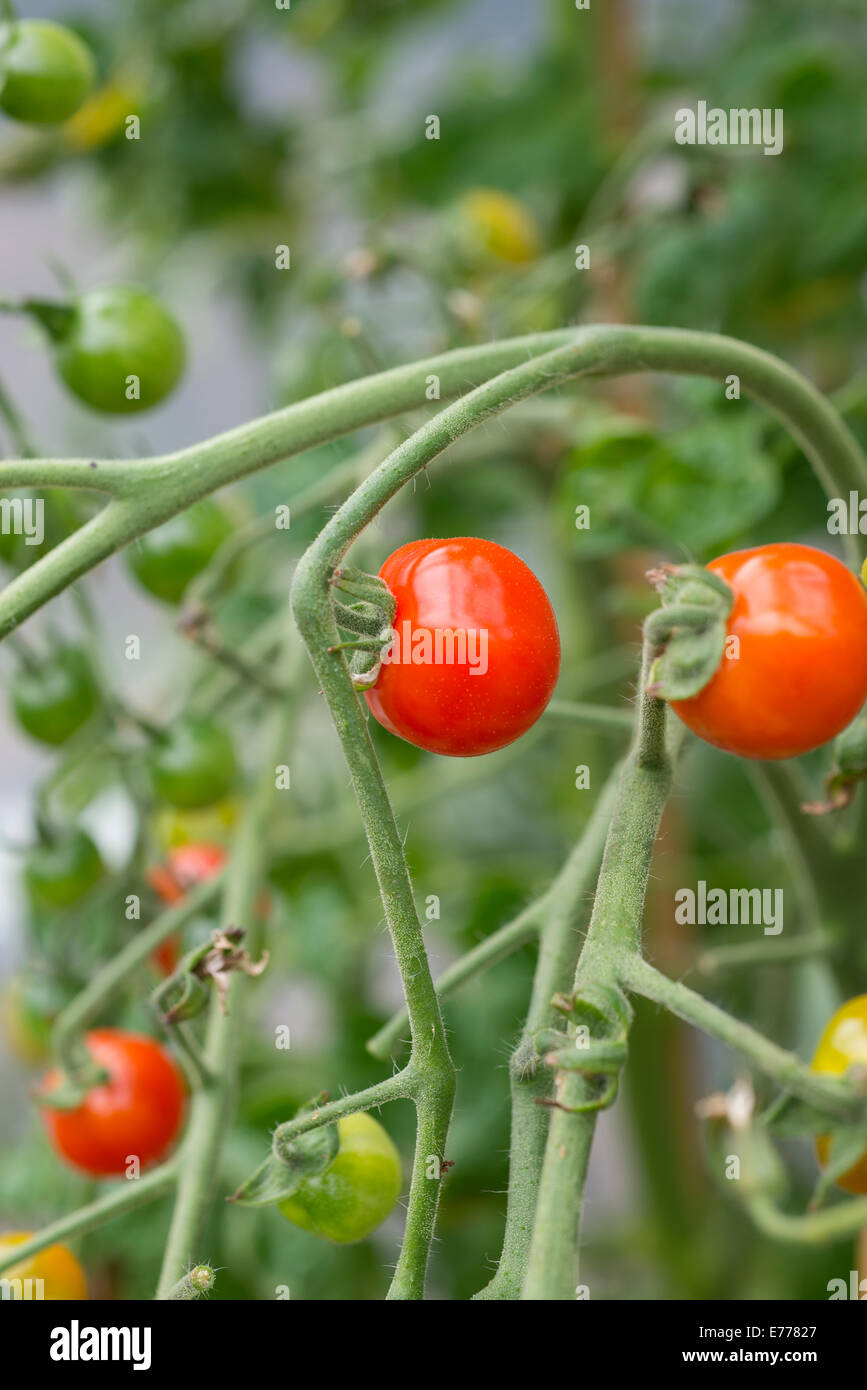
(698, 487)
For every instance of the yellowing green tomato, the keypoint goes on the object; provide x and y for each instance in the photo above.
(842, 1045)
(357, 1190)
(119, 350)
(166, 560)
(494, 224)
(46, 71)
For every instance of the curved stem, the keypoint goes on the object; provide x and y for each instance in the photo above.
(124, 1196)
(809, 1228)
(149, 491)
(825, 1092)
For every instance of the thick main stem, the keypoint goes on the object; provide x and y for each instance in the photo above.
(615, 931)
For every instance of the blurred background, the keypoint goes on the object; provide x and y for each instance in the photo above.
(309, 128)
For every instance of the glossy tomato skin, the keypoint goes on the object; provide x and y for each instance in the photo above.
(114, 332)
(842, 1045)
(357, 1190)
(465, 584)
(137, 1112)
(61, 1274)
(46, 71)
(801, 673)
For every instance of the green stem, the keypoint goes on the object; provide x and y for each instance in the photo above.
(600, 716)
(768, 951)
(147, 492)
(124, 1196)
(836, 1097)
(810, 1228)
(614, 933)
(511, 936)
(86, 1005)
(559, 945)
(211, 1105)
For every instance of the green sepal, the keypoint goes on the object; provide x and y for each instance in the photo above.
(57, 319)
(181, 997)
(690, 629)
(290, 1163)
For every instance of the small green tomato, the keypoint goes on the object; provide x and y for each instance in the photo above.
(357, 1190)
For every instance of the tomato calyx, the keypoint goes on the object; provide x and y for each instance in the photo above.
(293, 1159)
(734, 1130)
(56, 317)
(78, 1075)
(185, 993)
(369, 616)
(849, 768)
(688, 631)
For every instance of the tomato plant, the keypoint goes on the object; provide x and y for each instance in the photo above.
(358, 1189)
(137, 1113)
(54, 697)
(61, 1274)
(46, 71)
(797, 674)
(476, 654)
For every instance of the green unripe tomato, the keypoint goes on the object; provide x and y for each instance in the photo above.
(357, 1190)
(193, 764)
(59, 872)
(57, 697)
(111, 334)
(46, 71)
(28, 1007)
(166, 560)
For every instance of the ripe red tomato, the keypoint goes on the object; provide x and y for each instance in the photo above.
(188, 866)
(476, 654)
(138, 1111)
(800, 675)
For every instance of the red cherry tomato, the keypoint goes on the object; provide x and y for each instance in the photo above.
(137, 1112)
(477, 652)
(800, 674)
(188, 866)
